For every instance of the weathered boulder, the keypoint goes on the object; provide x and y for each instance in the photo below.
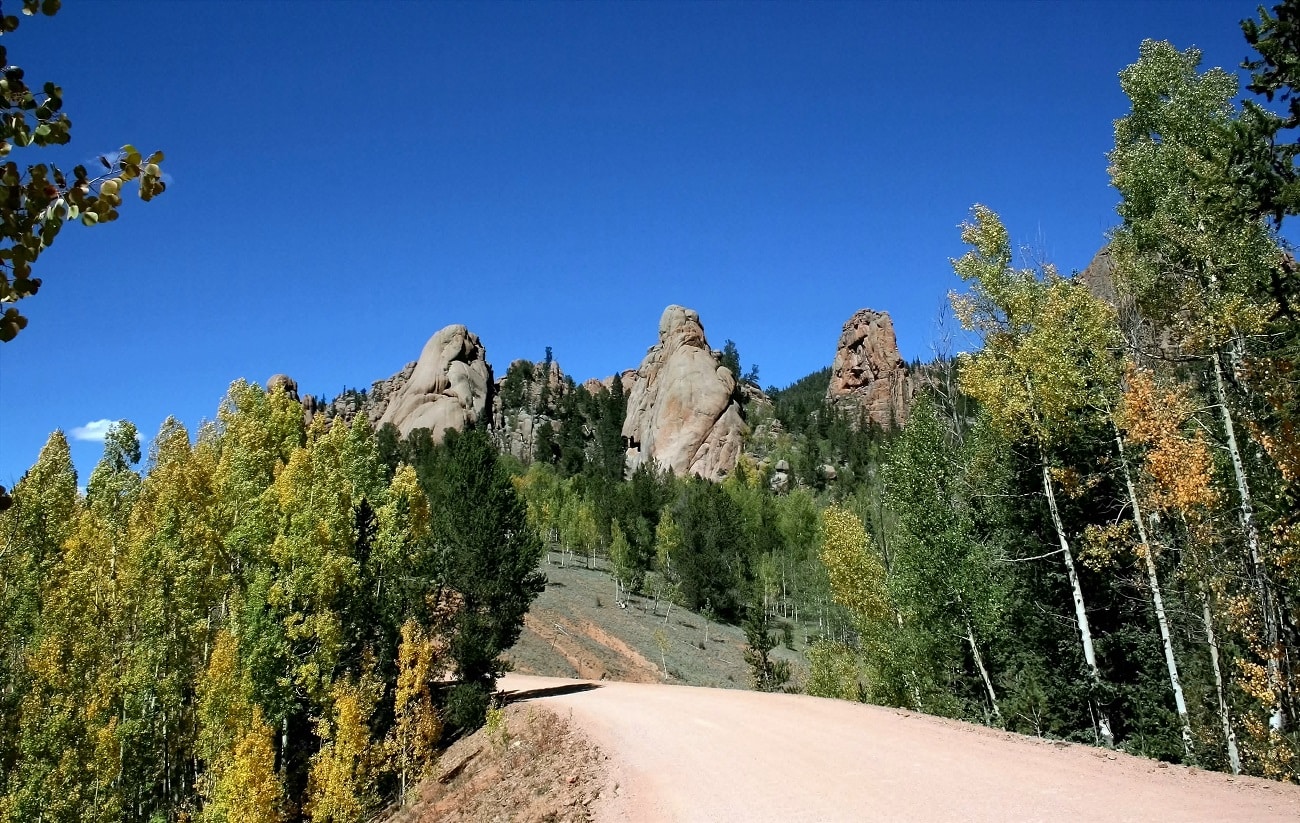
(682, 406)
(284, 383)
(449, 387)
(780, 482)
(869, 376)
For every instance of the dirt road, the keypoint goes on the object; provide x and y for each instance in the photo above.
(678, 753)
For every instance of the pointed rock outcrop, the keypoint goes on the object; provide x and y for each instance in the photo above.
(683, 411)
(448, 388)
(869, 376)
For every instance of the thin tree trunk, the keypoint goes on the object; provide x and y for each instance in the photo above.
(1258, 575)
(916, 689)
(1080, 611)
(984, 673)
(1180, 703)
(1229, 737)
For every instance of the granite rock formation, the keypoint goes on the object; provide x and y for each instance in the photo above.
(519, 409)
(683, 410)
(869, 380)
(449, 387)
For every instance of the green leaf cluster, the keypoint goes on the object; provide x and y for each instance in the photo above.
(36, 200)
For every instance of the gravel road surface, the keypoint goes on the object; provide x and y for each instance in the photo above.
(678, 753)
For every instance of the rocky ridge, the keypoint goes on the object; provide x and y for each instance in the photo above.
(686, 411)
(519, 408)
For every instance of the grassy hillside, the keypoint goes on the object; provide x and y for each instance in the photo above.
(574, 629)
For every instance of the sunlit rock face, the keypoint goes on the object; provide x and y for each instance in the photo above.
(449, 388)
(682, 410)
(869, 380)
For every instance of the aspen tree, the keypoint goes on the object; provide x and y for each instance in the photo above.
(1175, 471)
(857, 582)
(620, 556)
(343, 783)
(417, 727)
(65, 756)
(170, 580)
(235, 742)
(32, 532)
(1197, 268)
(668, 543)
(1039, 373)
(312, 557)
(938, 568)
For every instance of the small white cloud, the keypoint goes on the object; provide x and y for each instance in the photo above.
(95, 431)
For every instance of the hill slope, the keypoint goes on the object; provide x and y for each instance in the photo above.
(575, 629)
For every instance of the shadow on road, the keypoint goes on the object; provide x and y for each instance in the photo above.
(553, 691)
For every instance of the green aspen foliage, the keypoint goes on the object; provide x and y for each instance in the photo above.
(37, 200)
(1193, 265)
(254, 626)
(834, 671)
(1047, 360)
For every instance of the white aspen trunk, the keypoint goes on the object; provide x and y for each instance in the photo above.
(1157, 600)
(984, 673)
(916, 690)
(1256, 564)
(1229, 737)
(1080, 611)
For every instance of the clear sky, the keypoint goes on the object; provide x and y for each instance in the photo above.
(347, 178)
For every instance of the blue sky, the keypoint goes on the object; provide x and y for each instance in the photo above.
(347, 178)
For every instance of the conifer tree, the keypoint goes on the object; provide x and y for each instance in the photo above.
(489, 556)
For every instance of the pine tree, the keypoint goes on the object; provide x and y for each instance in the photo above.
(489, 556)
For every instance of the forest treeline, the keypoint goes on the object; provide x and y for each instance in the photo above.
(1093, 531)
(1089, 527)
(273, 621)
